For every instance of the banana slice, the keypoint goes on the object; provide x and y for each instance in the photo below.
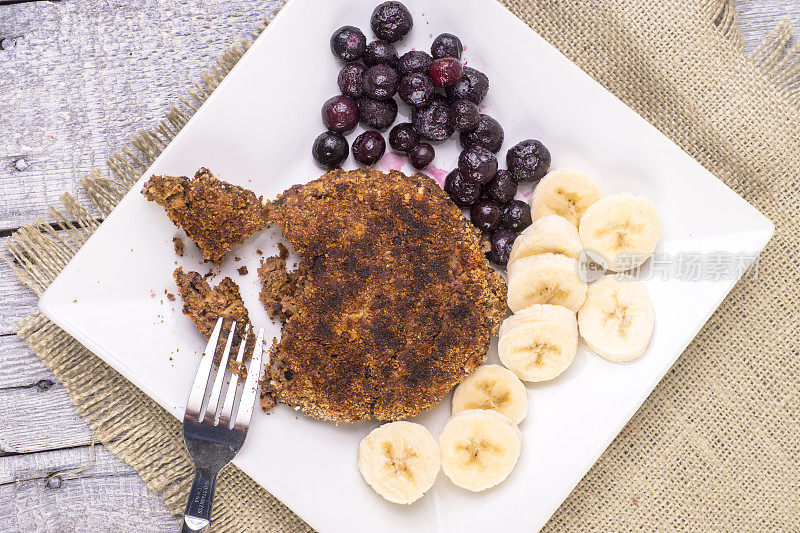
(539, 342)
(616, 322)
(565, 192)
(399, 460)
(623, 228)
(495, 388)
(545, 279)
(479, 448)
(550, 234)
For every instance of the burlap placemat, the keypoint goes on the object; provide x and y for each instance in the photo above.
(715, 446)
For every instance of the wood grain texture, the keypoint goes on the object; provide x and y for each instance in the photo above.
(34, 420)
(84, 77)
(33, 500)
(19, 367)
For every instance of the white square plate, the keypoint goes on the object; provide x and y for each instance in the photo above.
(257, 129)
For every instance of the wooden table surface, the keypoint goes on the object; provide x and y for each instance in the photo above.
(77, 79)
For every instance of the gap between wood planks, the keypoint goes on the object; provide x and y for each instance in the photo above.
(9, 2)
(34, 452)
(55, 225)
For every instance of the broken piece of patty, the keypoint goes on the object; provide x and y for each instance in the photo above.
(216, 215)
(393, 302)
(204, 304)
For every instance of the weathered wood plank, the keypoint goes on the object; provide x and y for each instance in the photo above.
(84, 76)
(19, 366)
(36, 419)
(41, 465)
(107, 496)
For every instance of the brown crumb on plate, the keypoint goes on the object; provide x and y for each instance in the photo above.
(177, 243)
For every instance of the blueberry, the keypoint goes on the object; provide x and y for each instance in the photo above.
(351, 79)
(416, 90)
(488, 133)
(348, 43)
(465, 115)
(464, 193)
(502, 188)
(414, 61)
(445, 71)
(391, 21)
(485, 215)
(446, 45)
(376, 114)
(369, 147)
(421, 155)
(403, 137)
(477, 164)
(340, 114)
(528, 160)
(473, 86)
(378, 52)
(516, 215)
(432, 122)
(330, 149)
(380, 82)
(502, 240)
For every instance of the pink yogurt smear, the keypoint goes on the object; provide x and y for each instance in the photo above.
(392, 161)
(437, 174)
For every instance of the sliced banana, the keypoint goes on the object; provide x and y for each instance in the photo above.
(399, 460)
(539, 342)
(495, 388)
(479, 448)
(545, 279)
(616, 322)
(623, 228)
(565, 192)
(550, 234)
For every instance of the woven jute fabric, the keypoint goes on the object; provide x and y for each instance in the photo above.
(716, 446)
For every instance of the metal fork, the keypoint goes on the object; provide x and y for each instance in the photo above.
(212, 431)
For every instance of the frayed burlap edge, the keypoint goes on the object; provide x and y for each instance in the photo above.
(123, 418)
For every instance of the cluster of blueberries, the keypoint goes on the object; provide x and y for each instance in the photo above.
(444, 96)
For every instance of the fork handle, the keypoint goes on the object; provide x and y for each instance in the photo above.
(198, 510)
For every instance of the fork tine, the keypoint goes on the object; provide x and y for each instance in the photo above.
(247, 402)
(230, 395)
(198, 392)
(216, 390)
